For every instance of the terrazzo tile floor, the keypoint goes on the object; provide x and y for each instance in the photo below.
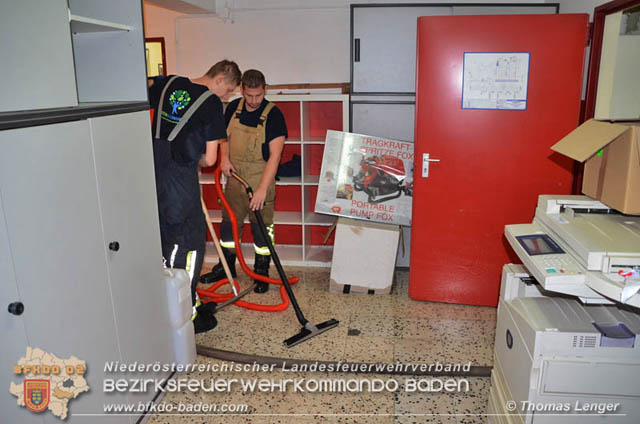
(373, 329)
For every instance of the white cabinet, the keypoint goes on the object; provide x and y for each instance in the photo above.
(69, 192)
(299, 231)
(383, 48)
(79, 234)
(37, 60)
(60, 53)
(392, 119)
(108, 47)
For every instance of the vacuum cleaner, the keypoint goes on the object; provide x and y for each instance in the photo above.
(225, 299)
(308, 330)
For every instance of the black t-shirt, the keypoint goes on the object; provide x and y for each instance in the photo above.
(205, 125)
(276, 126)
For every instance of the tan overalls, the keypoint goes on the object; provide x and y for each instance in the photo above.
(246, 155)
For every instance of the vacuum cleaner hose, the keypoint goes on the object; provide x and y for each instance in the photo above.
(210, 295)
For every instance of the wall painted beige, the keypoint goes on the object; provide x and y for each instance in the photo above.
(161, 22)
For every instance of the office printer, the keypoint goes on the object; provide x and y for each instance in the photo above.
(567, 334)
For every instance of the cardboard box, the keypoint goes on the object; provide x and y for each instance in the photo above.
(612, 167)
(364, 257)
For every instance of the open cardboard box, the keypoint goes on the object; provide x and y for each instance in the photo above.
(612, 167)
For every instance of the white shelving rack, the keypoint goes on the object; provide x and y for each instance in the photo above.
(308, 116)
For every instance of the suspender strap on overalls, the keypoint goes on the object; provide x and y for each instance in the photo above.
(263, 115)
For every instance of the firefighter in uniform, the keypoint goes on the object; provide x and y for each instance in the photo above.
(188, 124)
(256, 133)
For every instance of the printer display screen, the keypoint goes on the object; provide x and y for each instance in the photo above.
(539, 244)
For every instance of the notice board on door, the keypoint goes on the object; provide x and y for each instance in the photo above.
(366, 177)
(495, 81)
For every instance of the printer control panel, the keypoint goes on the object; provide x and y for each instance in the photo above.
(558, 264)
(543, 257)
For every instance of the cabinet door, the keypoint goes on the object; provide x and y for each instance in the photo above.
(12, 327)
(110, 65)
(126, 189)
(36, 45)
(384, 47)
(48, 186)
(387, 120)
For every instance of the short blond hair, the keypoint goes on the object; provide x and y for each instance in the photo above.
(229, 69)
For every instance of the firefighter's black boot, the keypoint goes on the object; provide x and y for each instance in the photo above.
(217, 273)
(205, 320)
(261, 266)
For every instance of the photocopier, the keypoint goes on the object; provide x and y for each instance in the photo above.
(567, 345)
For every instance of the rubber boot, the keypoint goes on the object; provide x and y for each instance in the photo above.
(205, 320)
(261, 266)
(217, 273)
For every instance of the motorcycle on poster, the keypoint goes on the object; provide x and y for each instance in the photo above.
(366, 177)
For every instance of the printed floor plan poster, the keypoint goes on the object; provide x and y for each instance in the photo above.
(366, 177)
(495, 81)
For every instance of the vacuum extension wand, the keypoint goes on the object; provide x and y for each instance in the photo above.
(308, 330)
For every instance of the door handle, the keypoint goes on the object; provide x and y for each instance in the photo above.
(425, 164)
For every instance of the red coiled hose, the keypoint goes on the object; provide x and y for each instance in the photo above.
(210, 295)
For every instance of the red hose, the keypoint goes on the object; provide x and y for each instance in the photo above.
(210, 295)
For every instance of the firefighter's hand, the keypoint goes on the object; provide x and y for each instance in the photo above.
(257, 201)
(227, 167)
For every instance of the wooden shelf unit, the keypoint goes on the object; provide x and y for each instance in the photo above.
(299, 231)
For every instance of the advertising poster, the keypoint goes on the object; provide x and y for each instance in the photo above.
(366, 177)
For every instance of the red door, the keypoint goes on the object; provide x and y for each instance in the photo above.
(493, 163)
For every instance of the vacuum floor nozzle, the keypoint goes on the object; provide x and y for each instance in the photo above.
(310, 330)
